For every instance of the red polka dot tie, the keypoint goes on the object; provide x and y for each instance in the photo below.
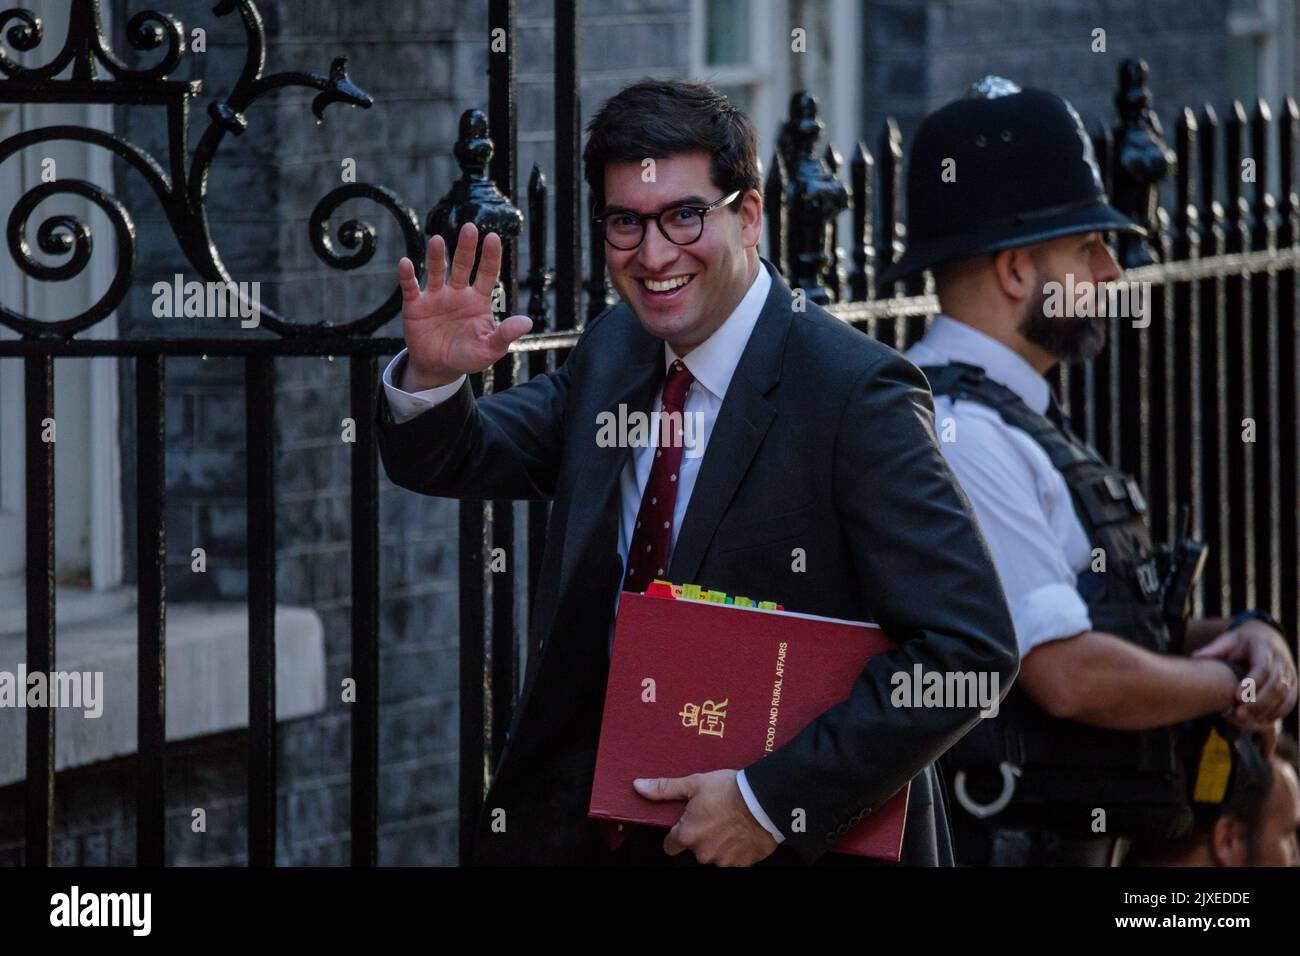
(652, 538)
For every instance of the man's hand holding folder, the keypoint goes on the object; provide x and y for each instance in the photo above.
(699, 685)
(716, 825)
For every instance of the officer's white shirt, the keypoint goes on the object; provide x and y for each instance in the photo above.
(712, 363)
(1021, 502)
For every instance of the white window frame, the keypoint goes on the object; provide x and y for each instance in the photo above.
(12, 455)
(86, 390)
(1273, 28)
(768, 35)
(772, 74)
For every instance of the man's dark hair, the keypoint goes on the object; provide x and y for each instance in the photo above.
(1249, 785)
(658, 118)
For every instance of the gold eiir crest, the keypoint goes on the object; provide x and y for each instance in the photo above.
(708, 717)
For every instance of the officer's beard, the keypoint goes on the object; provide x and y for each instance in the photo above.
(1068, 338)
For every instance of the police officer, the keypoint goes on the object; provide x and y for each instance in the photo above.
(1005, 199)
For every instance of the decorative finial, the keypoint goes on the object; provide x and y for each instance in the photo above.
(814, 197)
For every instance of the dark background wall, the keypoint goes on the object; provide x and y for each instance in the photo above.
(921, 54)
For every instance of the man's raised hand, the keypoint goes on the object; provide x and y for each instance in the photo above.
(449, 327)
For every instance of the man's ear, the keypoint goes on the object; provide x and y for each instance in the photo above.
(751, 217)
(1228, 841)
(1015, 273)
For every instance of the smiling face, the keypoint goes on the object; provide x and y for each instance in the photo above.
(682, 294)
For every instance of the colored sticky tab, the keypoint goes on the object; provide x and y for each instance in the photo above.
(693, 592)
(1214, 771)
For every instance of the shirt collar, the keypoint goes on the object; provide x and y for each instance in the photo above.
(713, 362)
(955, 341)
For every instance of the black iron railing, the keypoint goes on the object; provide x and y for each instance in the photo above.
(1166, 401)
(97, 75)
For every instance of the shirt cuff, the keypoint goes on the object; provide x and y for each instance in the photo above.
(1050, 613)
(407, 405)
(752, 802)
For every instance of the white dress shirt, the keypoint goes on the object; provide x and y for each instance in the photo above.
(712, 363)
(1021, 502)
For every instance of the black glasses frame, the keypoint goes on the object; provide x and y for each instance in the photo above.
(703, 210)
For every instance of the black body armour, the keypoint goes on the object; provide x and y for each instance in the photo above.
(1069, 770)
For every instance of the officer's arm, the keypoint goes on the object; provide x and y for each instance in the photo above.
(1266, 655)
(1067, 668)
(1099, 679)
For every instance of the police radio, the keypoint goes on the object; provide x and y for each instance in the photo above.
(1182, 564)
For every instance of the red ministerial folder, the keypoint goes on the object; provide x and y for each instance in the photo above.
(730, 684)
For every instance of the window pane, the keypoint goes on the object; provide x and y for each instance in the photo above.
(726, 33)
(1243, 69)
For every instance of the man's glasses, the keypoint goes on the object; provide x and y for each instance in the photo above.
(681, 224)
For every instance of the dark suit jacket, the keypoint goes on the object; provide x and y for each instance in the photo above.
(825, 441)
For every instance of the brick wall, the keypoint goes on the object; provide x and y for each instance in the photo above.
(1049, 44)
(921, 54)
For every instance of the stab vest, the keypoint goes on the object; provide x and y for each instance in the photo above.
(1068, 769)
